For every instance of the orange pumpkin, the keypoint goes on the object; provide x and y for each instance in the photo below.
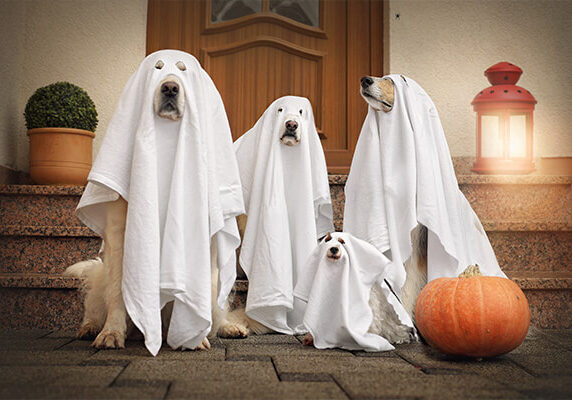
(472, 315)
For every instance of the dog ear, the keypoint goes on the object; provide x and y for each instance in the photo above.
(329, 237)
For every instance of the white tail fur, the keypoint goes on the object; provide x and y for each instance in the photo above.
(82, 268)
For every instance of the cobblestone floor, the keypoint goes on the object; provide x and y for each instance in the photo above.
(43, 364)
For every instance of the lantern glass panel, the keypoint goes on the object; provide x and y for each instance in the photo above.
(491, 139)
(517, 136)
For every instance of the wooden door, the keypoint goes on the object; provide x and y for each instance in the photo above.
(259, 50)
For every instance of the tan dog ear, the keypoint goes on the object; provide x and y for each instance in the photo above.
(388, 89)
(329, 237)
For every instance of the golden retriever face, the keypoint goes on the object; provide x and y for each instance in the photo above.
(378, 92)
(169, 100)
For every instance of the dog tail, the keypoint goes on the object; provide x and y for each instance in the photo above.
(83, 268)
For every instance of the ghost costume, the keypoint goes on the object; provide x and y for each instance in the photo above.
(337, 294)
(402, 175)
(181, 182)
(287, 198)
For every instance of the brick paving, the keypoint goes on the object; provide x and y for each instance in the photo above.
(37, 364)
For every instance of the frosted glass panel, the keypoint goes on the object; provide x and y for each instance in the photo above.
(304, 11)
(491, 140)
(517, 135)
(224, 10)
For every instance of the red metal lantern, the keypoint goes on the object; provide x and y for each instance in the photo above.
(504, 123)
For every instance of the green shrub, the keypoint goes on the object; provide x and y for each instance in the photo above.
(61, 105)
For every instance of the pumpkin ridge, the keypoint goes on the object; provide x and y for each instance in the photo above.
(454, 316)
(435, 310)
(518, 308)
(507, 334)
(425, 309)
(482, 336)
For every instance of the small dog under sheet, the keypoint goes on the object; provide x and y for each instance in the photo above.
(336, 284)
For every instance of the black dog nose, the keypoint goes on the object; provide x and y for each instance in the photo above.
(291, 125)
(334, 250)
(170, 89)
(366, 81)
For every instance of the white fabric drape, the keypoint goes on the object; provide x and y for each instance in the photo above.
(182, 186)
(287, 198)
(402, 175)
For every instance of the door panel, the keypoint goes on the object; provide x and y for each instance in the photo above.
(281, 69)
(311, 48)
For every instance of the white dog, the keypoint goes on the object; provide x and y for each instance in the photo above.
(287, 198)
(380, 94)
(105, 315)
(414, 210)
(386, 322)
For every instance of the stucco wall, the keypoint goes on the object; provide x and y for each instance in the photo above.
(446, 46)
(96, 44)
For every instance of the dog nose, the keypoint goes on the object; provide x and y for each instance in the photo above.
(291, 125)
(170, 89)
(334, 250)
(366, 81)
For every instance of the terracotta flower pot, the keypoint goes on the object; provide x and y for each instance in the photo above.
(60, 156)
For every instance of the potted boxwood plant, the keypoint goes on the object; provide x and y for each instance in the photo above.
(61, 119)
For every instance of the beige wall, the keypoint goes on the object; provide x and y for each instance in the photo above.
(446, 46)
(96, 44)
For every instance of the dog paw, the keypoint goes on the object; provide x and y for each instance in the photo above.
(308, 340)
(405, 335)
(205, 345)
(234, 331)
(89, 331)
(109, 340)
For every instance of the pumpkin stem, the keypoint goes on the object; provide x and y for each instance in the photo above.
(470, 271)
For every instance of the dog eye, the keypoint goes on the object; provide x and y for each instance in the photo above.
(159, 64)
(341, 241)
(279, 110)
(300, 112)
(181, 65)
(329, 237)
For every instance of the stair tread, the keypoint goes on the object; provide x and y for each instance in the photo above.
(82, 231)
(39, 281)
(46, 230)
(525, 279)
(53, 190)
(526, 226)
(541, 279)
(514, 179)
(335, 179)
(58, 281)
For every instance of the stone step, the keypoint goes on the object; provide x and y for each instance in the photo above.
(538, 250)
(531, 247)
(510, 199)
(531, 198)
(45, 249)
(549, 296)
(38, 205)
(528, 220)
(47, 301)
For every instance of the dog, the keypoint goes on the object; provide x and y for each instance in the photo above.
(105, 317)
(385, 321)
(380, 94)
(291, 132)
